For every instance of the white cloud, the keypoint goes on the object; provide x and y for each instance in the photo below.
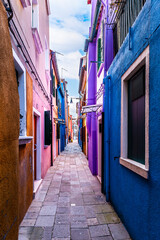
(69, 25)
(62, 9)
(65, 40)
(69, 62)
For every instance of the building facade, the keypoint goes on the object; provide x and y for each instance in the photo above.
(9, 135)
(30, 41)
(131, 108)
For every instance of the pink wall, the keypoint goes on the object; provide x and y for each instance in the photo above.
(22, 18)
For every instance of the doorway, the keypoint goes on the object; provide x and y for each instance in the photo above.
(37, 149)
(100, 149)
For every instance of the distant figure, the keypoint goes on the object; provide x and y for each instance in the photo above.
(69, 138)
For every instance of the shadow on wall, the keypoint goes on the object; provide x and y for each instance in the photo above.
(9, 134)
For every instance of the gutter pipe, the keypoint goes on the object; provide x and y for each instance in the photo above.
(106, 82)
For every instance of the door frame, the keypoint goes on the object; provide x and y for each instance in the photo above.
(100, 147)
(38, 157)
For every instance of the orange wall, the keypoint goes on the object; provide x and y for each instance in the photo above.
(26, 158)
(9, 134)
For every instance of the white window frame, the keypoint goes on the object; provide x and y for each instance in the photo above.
(22, 92)
(141, 169)
(35, 15)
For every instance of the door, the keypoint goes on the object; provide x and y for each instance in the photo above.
(100, 149)
(35, 147)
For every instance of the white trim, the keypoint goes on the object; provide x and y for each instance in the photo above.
(22, 92)
(140, 169)
(38, 115)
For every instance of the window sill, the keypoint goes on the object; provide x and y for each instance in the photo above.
(25, 139)
(25, 3)
(134, 166)
(37, 40)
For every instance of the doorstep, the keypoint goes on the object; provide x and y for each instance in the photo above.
(37, 184)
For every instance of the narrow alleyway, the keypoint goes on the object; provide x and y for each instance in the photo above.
(69, 204)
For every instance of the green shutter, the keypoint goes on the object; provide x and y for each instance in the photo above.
(99, 54)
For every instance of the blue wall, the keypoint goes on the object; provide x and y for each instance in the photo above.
(79, 132)
(62, 116)
(136, 199)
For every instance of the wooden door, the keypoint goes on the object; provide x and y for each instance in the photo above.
(35, 147)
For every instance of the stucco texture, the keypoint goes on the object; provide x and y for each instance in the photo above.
(136, 199)
(9, 133)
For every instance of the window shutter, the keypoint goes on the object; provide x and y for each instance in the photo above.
(102, 47)
(99, 53)
(53, 80)
(58, 131)
(47, 128)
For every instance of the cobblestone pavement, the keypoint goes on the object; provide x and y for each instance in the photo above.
(69, 204)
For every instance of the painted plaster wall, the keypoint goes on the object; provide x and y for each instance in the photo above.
(41, 105)
(91, 117)
(54, 125)
(26, 158)
(136, 199)
(25, 30)
(9, 133)
(62, 116)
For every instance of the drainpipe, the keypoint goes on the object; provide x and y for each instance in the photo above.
(51, 111)
(106, 82)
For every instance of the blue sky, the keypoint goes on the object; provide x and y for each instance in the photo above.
(69, 26)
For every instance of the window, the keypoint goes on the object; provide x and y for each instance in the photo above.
(129, 15)
(35, 15)
(135, 116)
(100, 47)
(122, 17)
(47, 128)
(21, 81)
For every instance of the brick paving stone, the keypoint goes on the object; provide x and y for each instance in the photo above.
(77, 210)
(111, 217)
(34, 209)
(45, 221)
(60, 238)
(69, 204)
(26, 230)
(62, 219)
(92, 221)
(48, 210)
(37, 233)
(31, 215)
(118, 232)
(103, 238)
(28, 222)
(63, 210)
(47, 233)
(23, 237)
(61, 231)
(78, 221)
(99, 231)
(80, 234)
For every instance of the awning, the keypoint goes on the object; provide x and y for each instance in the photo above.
(91, 108)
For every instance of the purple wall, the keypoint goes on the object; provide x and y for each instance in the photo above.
(91, 118)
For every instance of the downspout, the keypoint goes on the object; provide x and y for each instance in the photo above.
(106, 82)
(51, 113)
